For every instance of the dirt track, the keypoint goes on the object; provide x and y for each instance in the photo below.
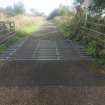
(49, 70)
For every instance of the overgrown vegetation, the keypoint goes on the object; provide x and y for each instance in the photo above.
(25, 26)
(25, 23)
(70, 24)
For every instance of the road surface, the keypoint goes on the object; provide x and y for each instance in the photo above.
(48, 69)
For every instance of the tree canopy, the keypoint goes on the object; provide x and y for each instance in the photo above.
(97, 6)
(80, 1)
(17, 9)
(64, 10)
(54, 13)
(36, 13)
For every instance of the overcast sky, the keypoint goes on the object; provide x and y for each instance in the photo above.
(45, 6)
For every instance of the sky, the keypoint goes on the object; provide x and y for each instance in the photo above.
(45, 6)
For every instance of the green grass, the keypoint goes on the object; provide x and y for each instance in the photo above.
(3, 33)
(27, 31)
(22, 33)
(70, 28)
(10, 42)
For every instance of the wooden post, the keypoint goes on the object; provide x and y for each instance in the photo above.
(12, 26)
(98, 48)
(86, 17)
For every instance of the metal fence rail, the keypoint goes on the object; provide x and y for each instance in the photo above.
(7, 26)
(7, 30)
(94, 31)
(95, 24)
(96, 35)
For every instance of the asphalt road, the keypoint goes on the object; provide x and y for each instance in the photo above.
(48, 69)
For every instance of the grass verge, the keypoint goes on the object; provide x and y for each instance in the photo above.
(23, 31)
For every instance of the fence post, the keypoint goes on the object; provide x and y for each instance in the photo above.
(98, 48)
(12, 26)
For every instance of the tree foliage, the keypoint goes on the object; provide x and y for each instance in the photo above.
(9, 11)
(54, 13)
(64, 10)
(36, 13)
(17, 9)
(80, 1)
(98, 6)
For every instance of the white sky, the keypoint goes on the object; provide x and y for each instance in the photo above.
(45, 6)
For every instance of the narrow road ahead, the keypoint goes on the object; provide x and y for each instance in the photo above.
(47, 44)
(47, 69)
